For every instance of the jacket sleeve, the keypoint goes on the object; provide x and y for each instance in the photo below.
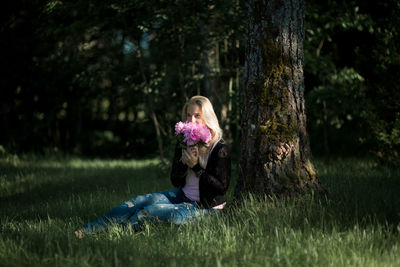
(178, 171)
(216, 179)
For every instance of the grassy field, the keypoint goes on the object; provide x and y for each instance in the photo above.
(42, 201)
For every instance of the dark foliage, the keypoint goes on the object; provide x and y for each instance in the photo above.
(88, 77)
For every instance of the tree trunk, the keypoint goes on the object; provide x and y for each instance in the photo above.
(276, 156)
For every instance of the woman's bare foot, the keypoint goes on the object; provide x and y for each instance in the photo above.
(79, 233)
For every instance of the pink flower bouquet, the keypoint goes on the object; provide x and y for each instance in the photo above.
(192, 134)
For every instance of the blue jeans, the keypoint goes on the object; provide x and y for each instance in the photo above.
(169, 206)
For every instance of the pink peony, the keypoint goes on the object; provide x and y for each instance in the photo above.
(178, 127)
(193, 133)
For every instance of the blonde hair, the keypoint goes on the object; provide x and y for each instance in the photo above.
(211, 121)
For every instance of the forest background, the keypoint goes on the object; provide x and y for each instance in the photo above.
(109, 78)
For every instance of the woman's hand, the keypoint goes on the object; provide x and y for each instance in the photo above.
(190, 156)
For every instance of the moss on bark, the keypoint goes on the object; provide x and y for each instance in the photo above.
(276, 132)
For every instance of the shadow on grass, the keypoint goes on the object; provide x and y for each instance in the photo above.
(65, 192)
(361, 192)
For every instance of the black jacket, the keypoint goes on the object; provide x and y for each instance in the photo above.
(214, 180)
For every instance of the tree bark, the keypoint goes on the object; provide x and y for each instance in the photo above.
(275, 151)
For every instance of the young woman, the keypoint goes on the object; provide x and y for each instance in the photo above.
(201, 176)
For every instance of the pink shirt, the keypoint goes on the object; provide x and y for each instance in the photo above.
(191, 188)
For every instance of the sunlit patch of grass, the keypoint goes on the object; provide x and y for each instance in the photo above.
(76, 163)
(101, 164)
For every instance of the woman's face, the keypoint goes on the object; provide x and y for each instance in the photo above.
(193, 114)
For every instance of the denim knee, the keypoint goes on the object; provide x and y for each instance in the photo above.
(170, 213)
(147, 199)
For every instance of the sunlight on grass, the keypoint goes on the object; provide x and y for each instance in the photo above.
(78, 163)
(107, 164)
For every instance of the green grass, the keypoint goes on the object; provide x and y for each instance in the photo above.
(43, 201)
